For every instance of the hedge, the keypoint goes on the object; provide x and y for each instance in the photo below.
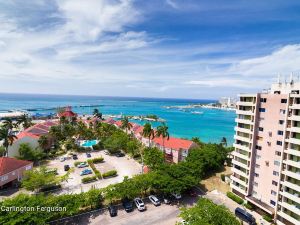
(235, 198)
(88, 179)
(110, 173)
(97, 172)
(268, 218)
(78, 162)
(248, 206)
(97, 160)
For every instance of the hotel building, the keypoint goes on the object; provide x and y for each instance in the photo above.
(266, 160)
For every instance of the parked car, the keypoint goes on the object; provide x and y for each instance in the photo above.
(120, 154)
(167, 199)
(62, 159)
(88, 155)
(127, 204)
(85, 172)
(154, 200)
(75, 157)
(140, 204)
(82, 165)
(245, 216)
(177, 196)
(112, 210)
(66, 167)
(106, 152)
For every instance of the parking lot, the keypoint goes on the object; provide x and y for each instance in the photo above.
(124, 166)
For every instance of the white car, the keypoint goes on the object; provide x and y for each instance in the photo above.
(82, 165)
(62, 159)
(140, 204)
(154, 200)
(106, 152)
(176, 196)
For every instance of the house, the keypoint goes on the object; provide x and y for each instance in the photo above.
(67, 113)
(31, 136)
(12, 170)
(176, 149)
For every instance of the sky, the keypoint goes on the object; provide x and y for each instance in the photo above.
(155, 48)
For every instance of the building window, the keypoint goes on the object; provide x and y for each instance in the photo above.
(281, 122)
(280, 132)
(28, 167)
(273, 192)
(272, 202)
(261, 129)
(274, 183)
(276, 163)
(283, 100)
(256, 175)
(262, 110)
(282, 111)
(275, 173)
(258, 147)
(258, 156)
(4, 178)
(277, 153)
(257, 166)
(263, 100)
(279, 143)
(259, 138)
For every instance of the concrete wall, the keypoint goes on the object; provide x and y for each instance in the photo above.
(13, 150)
(14, 175)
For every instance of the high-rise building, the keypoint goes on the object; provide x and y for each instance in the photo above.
(266, 160)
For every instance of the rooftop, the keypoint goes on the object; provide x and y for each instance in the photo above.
(37, 130)
(8, 165)
(174, 143)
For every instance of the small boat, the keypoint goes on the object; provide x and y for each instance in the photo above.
(197, 112)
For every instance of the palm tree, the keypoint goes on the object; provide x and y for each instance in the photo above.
(148, 132)
(97, 114)
(8, 138)
(224, 141)
(9, 124)
(25, 121)
(126, 124)
(162, 131)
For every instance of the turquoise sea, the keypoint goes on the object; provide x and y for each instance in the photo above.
(210, 125)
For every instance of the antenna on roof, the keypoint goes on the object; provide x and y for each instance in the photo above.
(291, 79)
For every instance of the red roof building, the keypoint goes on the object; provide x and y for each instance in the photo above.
(12, 170)
(37, 130)
(68, 113)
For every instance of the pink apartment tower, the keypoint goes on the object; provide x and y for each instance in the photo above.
(266, 159)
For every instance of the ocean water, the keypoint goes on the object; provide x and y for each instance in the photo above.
(210, 125)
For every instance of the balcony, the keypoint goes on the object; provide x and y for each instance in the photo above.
(245, 112)
(294, 117)
(290, 185)
(245, 103)
(238, 189)
(292, 208)
(293, 141)
(292, 174)
(292, 163)
(242, 147)
(294, 197)
(241, 138)
(244, 130)
(245, 121)
(287, 217)
(234, 162)
(239, 172)
(292, 152)
(238, 180)
(295, 106)
(294, 129)
(246, 157)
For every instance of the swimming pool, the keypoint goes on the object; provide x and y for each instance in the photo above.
(89, 143)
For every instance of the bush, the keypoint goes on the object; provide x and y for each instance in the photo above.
(223, 177)
(248, 206)
(97, 173)
(235, 198)
(110, 173)
(268, 218)
(98, 146)
(97, 160)
(76, 163)
(88, 179)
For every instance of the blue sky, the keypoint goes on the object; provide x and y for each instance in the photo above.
(155, 48)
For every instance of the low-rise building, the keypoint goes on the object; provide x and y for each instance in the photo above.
(12, 170)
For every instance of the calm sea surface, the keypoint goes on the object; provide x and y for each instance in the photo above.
(210, 125)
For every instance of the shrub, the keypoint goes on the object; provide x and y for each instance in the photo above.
(110, 173)
(248, 206)
(97, 173)
(88, 179)
(97, 160)
(76, 163)
(98, 146)
(223, 177)
(268, 218)
(235, 198)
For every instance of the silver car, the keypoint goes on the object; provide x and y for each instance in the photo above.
(140, 204)
(154, 200)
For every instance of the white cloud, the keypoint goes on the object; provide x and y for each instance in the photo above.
(172, 3)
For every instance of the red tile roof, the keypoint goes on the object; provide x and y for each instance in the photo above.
(37, 130)
(174, 143)
(118, 123)
(8, 165)
(110, 121)
(67, 113)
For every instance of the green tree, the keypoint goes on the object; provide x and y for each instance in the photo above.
(162, 131)
(148, 132)
(7, 137)
(2, 151)
(9, 124)
(126, 124)
(27, 153)
(224, 141)
(153, 157)
(44, 143)
(205, 212)
(36, 179)
(25, 121)
(97, 114)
